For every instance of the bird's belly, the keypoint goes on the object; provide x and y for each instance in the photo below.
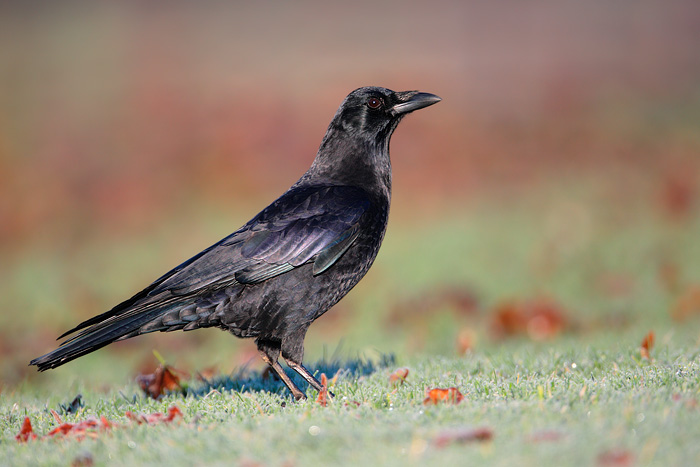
(292, 301)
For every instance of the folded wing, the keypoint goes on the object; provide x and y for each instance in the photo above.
(308, 224)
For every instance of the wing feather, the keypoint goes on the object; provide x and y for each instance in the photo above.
(289, 233)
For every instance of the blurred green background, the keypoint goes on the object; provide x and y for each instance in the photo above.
(562, 167)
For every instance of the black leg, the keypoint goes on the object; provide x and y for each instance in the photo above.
(279, 371)
(306, 375)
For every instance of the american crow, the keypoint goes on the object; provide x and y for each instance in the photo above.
(274, 276)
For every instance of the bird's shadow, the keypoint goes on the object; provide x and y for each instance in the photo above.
(245, 380)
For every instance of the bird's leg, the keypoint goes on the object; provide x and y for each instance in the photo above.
(306, 374)
(279, 371)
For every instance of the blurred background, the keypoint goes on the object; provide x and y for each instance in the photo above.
(553, 196)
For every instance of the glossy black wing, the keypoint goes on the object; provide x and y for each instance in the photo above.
(305, 224)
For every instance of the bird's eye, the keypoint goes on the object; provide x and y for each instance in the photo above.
(374, 103)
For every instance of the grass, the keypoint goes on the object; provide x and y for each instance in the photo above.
(544, 404)
(583, 397)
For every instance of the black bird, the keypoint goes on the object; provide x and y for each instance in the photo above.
(274, 276)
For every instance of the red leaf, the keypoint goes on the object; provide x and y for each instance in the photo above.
(156, 417)
(448, 396)
(647, 345)
(207, 373)
(398, 377)
(26, 433)
(687, 305)
(322, 398)
(547, 435)
(161, 381)
(81, 429)
(679, 194)
(465, 340)
(464, 435)
(616, 458)
(540, 319)
(83, 460)
(91, 426)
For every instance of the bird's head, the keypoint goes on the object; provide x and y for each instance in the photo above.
(355, 149)
(375, 112)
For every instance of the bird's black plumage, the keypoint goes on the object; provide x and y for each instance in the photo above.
(274, 276)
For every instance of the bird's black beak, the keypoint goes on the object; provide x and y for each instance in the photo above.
(413, 100)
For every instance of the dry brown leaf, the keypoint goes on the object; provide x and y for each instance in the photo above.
(460, 301)
(679, 194)
(448, 396)
(617, 458)
(540, 319)
(207, 373)
(81, 429)
(322, 398)
(647, 345)
(464, 435)
(545, 436)
(465, 340)
(398, 377)
(83, 460)
(26, 432)
(156, 417)
(164, 379)
(687, 305)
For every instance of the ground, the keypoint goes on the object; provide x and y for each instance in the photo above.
(539, 324)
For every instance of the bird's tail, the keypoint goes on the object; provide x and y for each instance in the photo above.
(123, 324)
(93, 338)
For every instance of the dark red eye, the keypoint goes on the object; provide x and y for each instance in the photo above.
(374, 102)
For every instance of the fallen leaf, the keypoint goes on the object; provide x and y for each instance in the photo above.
(156, 417)
(249, 463)
(322, 398)
(616, 458)
(207, 374)
(679, 194)
(448, 396)
(540, 319)
(163, 380)
(508, 319)
(26, 433)
(81, 429)
(647, 345)
(690, 403)
(398, 377)
(91, 427)
(460, 301)
(465, 340)
(687, 305)
(545, 436)
(83, 460)
(464, 435)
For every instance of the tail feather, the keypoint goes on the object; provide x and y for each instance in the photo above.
(139, 315)
(91, 340)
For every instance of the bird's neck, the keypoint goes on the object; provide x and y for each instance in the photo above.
(344, 160)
